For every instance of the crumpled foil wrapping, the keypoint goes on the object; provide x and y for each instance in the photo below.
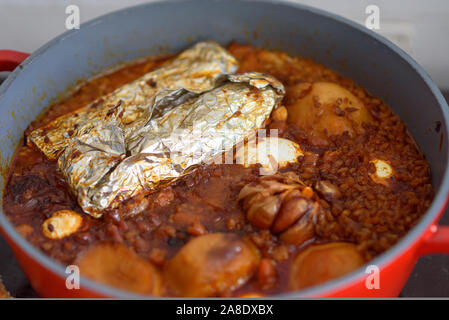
(195, 69)
(101, 174)
(108, 160)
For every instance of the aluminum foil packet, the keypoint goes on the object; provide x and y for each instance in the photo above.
(154, 130)
(183, 133)
(195, 69)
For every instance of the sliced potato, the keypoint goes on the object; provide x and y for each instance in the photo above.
(320, 263)
(116, 265)
(271, 152)
(211, 265)
(328, 109)
(62, 224)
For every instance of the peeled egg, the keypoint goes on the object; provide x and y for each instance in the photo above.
(62, 224)
(383, 172)
(271, 153)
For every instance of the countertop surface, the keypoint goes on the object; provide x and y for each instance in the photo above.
(429, 278)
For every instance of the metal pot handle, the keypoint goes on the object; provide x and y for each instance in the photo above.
(435, 241)
(10, 59)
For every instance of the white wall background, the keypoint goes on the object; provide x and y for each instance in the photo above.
(420, 27)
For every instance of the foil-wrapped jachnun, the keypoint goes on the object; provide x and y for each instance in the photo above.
(144, 135)
(196, 70)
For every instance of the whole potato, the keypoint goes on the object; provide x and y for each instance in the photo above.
(211, 265)
(320, 263)
(116, 265)
(327, 109)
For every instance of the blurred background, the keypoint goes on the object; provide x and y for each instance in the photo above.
(421, 28)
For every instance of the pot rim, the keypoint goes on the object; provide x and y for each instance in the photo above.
(332, 286)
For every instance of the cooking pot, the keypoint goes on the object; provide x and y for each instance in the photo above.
(170, 26)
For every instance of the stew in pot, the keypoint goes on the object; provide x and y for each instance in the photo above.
(350, 182)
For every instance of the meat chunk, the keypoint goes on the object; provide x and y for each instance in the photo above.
(271, 153)
(211, 265)
(116, 265)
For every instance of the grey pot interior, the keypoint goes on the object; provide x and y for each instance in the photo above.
(171, 26)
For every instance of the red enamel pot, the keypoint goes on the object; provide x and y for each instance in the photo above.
(159, 27)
